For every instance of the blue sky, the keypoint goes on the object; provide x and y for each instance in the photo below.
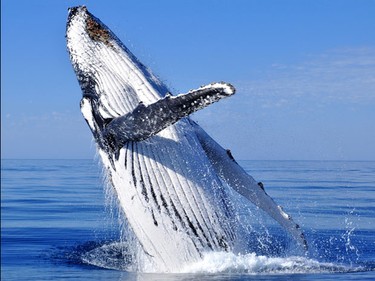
(304, 73)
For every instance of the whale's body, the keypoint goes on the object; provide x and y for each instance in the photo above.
(170, 177)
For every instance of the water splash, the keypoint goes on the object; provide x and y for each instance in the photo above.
(258, 264)
(116, 256)
(350, 248)
(264, 249)
(110, 256)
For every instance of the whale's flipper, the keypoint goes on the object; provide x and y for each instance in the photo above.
(146, 121)
(236, 177)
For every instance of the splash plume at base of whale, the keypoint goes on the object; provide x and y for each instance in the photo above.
(172, 180)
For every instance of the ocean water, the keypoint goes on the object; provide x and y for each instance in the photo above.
(57, 223)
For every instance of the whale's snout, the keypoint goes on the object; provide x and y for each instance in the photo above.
(76, 8)
(88, 25)
(73, 11)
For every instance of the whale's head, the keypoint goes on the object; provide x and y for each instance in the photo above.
(112, 80)
(109, 74)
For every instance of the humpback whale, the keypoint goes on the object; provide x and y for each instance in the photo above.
(172, 180)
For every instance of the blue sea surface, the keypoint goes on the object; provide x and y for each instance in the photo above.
(54, 215)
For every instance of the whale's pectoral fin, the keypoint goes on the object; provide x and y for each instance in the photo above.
(236, 177)
(145, 121)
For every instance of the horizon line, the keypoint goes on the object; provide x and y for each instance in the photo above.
(311, 160)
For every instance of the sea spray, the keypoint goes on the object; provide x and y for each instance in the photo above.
(348, 235)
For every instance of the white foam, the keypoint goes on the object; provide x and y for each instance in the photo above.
(222, 262)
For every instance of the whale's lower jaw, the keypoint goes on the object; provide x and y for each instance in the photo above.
(174, 213)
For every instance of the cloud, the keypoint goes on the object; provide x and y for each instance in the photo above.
(344, 75)
(319, 108)
(44, 119)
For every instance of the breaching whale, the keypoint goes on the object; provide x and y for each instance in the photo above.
(170, 177)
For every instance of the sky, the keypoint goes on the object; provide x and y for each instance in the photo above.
(304, 73)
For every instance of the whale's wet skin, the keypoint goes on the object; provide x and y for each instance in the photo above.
(174, 183)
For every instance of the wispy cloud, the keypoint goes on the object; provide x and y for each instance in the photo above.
(345, 75)
(44, 119)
